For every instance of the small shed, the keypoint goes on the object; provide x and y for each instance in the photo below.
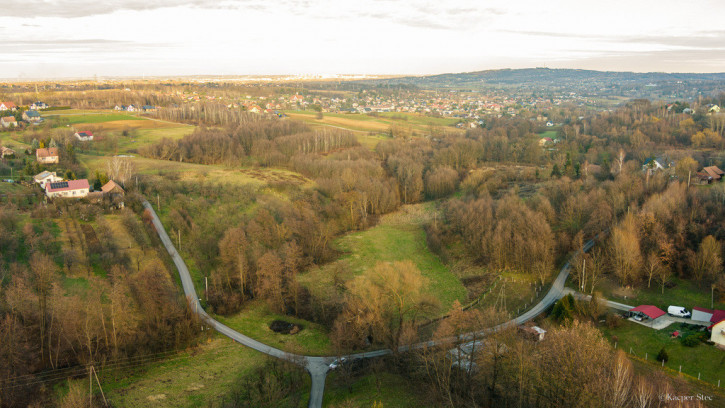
(532, 332)
(701, 314)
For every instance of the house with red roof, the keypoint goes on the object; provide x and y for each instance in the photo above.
(67, 189)
(84, 136)
(701, 314)
(8, 122)
(47, 155)
(7, 106)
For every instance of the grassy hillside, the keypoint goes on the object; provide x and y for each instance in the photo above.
(398, 236)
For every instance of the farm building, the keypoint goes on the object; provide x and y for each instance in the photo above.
(70, 188)
(47, 155)
(46, 177)
(709, 174)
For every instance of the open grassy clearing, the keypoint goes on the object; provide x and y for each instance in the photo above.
(96, 117)
(390, 390)
(351, 123)
(399, 236)
(192, 378)
(217, 174)
(549, 133)
(705, 359)
(254, 321)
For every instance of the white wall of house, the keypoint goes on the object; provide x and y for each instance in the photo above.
(717, 336)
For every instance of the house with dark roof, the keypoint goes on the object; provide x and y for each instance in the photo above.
(39, 105)
(32, 116)
(68, 189)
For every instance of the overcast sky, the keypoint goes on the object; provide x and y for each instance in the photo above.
(83, 38)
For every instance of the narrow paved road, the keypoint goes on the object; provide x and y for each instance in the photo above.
(319, 366)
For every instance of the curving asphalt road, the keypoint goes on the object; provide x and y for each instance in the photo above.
(319, 366)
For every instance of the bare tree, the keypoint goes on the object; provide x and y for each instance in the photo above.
(120, 169)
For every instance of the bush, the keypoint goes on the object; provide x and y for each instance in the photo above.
(662, 355)
(690, 341)
(613, 321)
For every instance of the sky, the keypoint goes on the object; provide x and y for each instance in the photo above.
(87, 38)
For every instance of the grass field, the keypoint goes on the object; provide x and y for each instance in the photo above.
(390, 390)
(96, 117)
(549, 133)
(398, 236)
(382, 123)
(193, 378)
(254, 322)
(646, 342)
(199, 172)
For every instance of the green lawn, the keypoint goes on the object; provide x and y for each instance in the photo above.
(254, 320)
(705, 359)
(549, 133)
(398, 236)
(191, 378)
(95, 117)
(388, 389)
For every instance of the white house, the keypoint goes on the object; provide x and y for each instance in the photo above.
(46, 177)
(718, 333)
(39, 105)
(47, 155)
(68, 189)
(7, 106)
(85, 136)
(8, 122)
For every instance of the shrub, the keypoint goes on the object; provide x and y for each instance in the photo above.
(613, 321)
(690, 341)
(662, 355)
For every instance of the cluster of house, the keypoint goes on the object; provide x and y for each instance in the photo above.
(707, 175)
(134, 108)
(31, 115)
(55, 187)
(714, 320)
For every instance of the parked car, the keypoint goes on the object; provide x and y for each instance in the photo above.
(337, 363)
(678, 311)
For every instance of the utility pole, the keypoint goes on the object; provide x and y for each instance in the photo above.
(584, 273)
(158, 202)
(179, 239)
(689, 174)
(712, 295)
(206, 288)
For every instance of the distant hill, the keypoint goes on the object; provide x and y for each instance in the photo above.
(545, 77)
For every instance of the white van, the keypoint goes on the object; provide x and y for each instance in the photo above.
(678, 311)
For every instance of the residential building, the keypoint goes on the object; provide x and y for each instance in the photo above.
(7, 106)
(84, 136)
(67, 189)
(8, 122)
(46, 177)
(39, 105)
(47, 155)
(6, 151)
(32, 116)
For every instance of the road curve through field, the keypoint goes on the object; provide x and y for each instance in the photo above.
(319, 366)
